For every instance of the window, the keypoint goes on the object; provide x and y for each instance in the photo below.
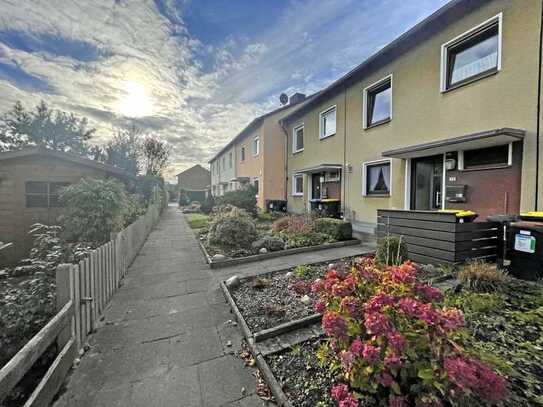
(43, 194)
(256, 184)
(327, 123)
(378, 103)
(489, 157)
(223, 162)
(473, 55)
(230, 160)
(242, 153)
(332, 176)
(256, 146)
(376, 178)
(298, 139)
(298, 185)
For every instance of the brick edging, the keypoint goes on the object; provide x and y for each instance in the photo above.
(271, 255)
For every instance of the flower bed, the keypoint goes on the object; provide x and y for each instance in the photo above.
(276, 298)
(235, 234)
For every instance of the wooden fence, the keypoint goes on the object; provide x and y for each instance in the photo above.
(83, 291)
(437, 237)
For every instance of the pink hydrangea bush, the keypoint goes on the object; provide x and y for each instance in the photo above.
(392, 340)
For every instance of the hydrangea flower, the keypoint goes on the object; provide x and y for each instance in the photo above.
(334, 324)
(340, 392)
(377, 323)
(351, 306)
(371, 353)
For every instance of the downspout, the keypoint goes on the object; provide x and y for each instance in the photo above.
(286, 159)
(344, 172)
(538, 110)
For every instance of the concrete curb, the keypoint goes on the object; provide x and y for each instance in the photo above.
(286, 327)
(275, 387)
(271, 255)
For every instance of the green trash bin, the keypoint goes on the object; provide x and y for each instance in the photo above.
(525, 248)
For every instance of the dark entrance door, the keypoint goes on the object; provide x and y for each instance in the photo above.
(316, 185)
(427, 183)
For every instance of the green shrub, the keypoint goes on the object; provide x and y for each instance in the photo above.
(391, 250)
(309, 238)
(243, 199)
(232, 230)
(270, 243)
(197, 220)
(208, 204)
(481, 276)
(336, 228)
(302, 270)
(94, 208)
(294, 225)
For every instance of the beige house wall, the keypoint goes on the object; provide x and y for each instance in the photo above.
(316, 151)
(223, 176)
(253, 165)
(422, 113)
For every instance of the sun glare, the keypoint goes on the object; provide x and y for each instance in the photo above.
(135, 101)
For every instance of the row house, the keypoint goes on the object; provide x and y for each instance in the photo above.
(444, 117)
(256, 156)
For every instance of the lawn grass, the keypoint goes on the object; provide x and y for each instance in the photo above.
(197, 220)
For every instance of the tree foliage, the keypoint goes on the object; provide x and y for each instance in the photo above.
(45, 127)
(94, 208)
(155, 155)
(124, 150)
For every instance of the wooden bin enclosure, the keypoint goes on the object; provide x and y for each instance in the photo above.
(438, 237)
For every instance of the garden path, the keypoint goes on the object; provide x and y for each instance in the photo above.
(167, 338)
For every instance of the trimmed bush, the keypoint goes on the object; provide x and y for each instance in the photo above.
(232, 230)
(391, 250)
(243, 199)
(481, 276)
(309, 238)
(336, 228)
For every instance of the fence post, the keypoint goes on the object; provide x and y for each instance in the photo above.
(64, 281)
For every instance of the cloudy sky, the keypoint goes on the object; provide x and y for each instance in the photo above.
(194, 72)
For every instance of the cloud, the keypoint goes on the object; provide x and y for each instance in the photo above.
(207, 68)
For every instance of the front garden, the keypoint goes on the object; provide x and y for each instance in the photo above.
(390, 338)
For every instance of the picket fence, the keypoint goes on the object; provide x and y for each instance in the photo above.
(83, 292)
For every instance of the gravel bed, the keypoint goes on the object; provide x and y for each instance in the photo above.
(304, 382)
(272, 299)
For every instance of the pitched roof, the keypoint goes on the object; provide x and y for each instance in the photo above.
(256, 123)
(196, 167)
(447, 14)
(74, 158)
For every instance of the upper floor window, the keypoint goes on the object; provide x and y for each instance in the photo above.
(298, 138)
(256, 146)
(230, 159)
(223, 162)
(473, 55)
(327, 123)
(376, 178)
(43, 194)
(242, 154)
(378, 102)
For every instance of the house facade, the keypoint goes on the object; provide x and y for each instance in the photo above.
(194, 182)
(258, 153)
(31, 181)
(444, 117)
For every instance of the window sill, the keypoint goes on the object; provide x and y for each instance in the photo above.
(298, 151)
(490, 167)
(298, 195)
(376, 124)
(325, 137)
(376, 195)
(471, 80)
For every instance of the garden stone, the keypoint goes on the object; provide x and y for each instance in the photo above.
(332, 266)
(306, 299)
(3, 274)
(218, 257)
(289, 275)
(263, 250)
(232, 282)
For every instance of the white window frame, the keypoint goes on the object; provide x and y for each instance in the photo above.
(458, 39)
(327, 177)
(509, 158)
(365, 92)
(365, 165)
(294, 177)
(256, 142)
(321, 115)
(295, 130)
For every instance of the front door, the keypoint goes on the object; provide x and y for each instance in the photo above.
(316, 186)
(427, 183)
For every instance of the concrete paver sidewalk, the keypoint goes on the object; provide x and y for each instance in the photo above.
(167, 339)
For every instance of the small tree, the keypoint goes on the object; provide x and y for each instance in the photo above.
(94, 209)
(155, 155)
(125, 150)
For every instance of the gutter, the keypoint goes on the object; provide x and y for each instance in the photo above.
(282, 124)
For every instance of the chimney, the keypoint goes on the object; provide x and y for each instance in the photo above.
(296, 98)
